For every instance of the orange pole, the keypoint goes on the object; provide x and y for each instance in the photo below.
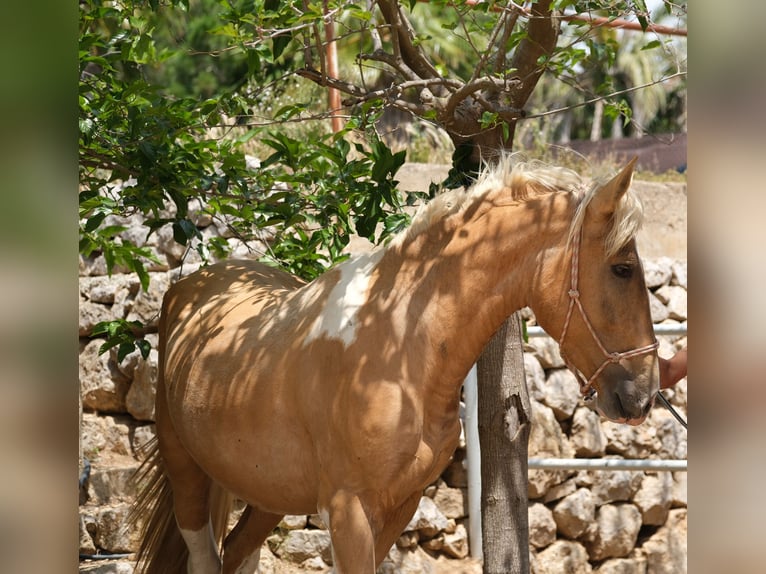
(331, 60)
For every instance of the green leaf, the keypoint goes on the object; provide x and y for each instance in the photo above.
(184, 230)
(363, 15)
(94, 222)
(651, 45)
(279, 43)
(124, 349)
(144, 347)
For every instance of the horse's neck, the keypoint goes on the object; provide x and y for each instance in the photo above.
(466, 279)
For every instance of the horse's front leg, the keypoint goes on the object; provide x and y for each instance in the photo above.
(395, 522)
(351, 532)
(242, 548)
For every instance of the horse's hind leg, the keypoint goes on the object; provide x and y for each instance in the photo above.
(191, 494)
(242, 548)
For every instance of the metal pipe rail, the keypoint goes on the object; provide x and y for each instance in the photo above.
(606, 464)
(663, 329)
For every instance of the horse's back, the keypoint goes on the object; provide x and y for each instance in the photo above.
(224, 283)
(207, 311)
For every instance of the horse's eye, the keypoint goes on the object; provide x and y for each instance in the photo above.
(622, 270)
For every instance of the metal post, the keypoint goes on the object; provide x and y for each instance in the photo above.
(473, 462)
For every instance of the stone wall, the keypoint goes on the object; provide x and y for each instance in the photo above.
(616, 522)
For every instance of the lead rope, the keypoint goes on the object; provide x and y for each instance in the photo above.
(586, 385)
(672, 410)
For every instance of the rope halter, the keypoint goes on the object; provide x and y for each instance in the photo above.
(586, 384)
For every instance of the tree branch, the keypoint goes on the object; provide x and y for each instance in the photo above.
(543, 30)
(499, 46)
(401, 36)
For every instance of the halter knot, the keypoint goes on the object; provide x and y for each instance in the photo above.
(574, 293)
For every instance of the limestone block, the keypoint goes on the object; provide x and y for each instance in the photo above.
(104, 434)
(679, 496)
(559, 491)
(680, 273)
(140, 440)
(563, 557)
(293, 522)
(102, 385)
(129, 363)
(546, 439)
(672, 437)
(587, 438)
(657, 272)
(141, 395)
(146, 305)
(630, 441)
(113, 534)
(666, 550)
(657, 309)
(616, 531)
(87, 546)
(407, 561)
(408, 540)
(300, 545)
(654, 497)
(456, 544)
(108, 290)
(535, 377)
(452, 502)
(575, 513)
(428, 520)
(610, 485)
(633, 565)
(542, 527)
(562, 393)
(546, 350)
(674, 299)
(112, 483)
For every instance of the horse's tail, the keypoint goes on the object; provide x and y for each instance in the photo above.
(162, 549)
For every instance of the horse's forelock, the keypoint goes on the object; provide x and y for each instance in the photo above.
(627, 220)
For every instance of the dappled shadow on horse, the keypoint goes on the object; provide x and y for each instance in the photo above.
(340, 396)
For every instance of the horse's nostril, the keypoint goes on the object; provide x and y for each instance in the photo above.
(648, 406)
(620, 406)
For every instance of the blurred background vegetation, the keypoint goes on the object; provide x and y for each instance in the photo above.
(200, 61)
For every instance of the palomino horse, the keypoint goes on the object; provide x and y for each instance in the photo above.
(340, 396)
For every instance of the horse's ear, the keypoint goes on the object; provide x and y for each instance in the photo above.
(607, 197)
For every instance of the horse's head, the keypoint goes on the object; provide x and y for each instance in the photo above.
(602, 313)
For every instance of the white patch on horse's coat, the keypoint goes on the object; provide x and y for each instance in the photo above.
(250, 564)
(338, 317)
(203, 554)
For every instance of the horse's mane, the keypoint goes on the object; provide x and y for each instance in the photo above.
(526, 179)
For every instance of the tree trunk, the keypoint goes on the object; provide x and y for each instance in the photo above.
(504, 426)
